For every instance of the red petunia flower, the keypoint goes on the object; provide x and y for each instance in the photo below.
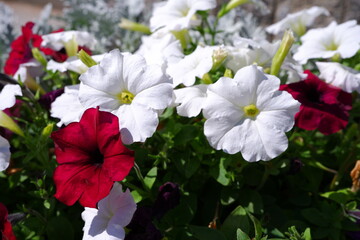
(5, 226)
(21, 49)
(323, 107)
(91, 158)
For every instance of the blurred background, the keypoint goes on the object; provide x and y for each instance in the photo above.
(341, 10)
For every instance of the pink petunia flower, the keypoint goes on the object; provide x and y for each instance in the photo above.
(323, 107)
(91, 158)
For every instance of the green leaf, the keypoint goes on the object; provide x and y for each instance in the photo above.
(205, 233)
(240, 235)
(137, 196)
(150, 177)
(314, 216)
(257, 227)
(252, 201)
(307, 234)
(60, 228)
(341, 196)
(187, 133)
(219, 173)
(237, 219)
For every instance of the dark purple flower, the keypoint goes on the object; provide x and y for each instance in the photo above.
(142, 227)
(46, 99)
(168, 198)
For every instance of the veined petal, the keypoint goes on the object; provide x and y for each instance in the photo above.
(137, 122)
(4, 154)
(107, 76)
(7, 95)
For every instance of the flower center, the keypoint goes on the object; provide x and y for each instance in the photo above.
(332, 46)
(97, 158)
(251, 110)
(125, 97)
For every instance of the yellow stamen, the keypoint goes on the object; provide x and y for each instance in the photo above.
(251, 110)
(125, 97)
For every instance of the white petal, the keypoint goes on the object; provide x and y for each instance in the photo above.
(192, 100)
(91, 97)
(8, 95)
(137, 122)
(108, 75)
(157, 97)
(67, 107)
(57, 40)
(340, 76)
(4, 154)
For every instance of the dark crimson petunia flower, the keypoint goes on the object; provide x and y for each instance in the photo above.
(91, 158)
(5, 226)
(21, 49)
(323, 107)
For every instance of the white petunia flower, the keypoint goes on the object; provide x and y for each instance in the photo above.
(298, 21)
(4, 154)
(177, 15)
(160, 49)
(249, 114)
(340, 76)
(108, 221)
(67, 107)
(247, 52)
(8, 95)
(191, 66)
(342, 40)
(191, 100)
(29, 70)
(72, 63)
(58, 40)
(126, 86)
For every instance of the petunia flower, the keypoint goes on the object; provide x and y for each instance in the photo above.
(114, 212)
(247, 52)
(5, 225)
(68, 39)
(323, 107)
(91, 158)
(67, 107)
(191, 100)
(126, 86)
(248, 114)
(8, 95)
(191, 66)
(21, 49)
(340, 76)
(298, 21)
(4, 154)
(160, 49)
(72, 63)
(333, 40)
(177, 15)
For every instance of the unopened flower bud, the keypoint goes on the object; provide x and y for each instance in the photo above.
(206, 79)
(71, 47)
(47, 130)
(285, 45)
(219, 56)
(231, 5)
(228, 73)
(134, 26)
(8, 123)
(86, 58)
(182, 36)
(39, 56)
